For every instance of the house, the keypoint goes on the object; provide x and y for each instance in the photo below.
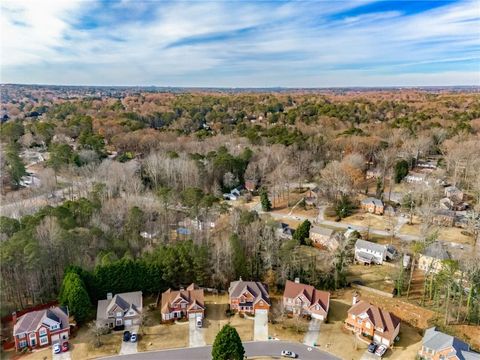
(233, 194)
(323, 237)
(251, 185)
(248, 296)
(183, 303)
(437, 345)
(446, 204)
(368, 252)
(372, 205)
(301, 299)
(431, 258)
(454, 193)
(416, 178)
(123, 309)
(284, 231)
(312, 196)
(373, 322)
(443, 217)
(41, 328)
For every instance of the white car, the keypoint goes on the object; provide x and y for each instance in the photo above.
(133, 337)
(381, 349)
(57, 349)
(289, 354)
(199, 322)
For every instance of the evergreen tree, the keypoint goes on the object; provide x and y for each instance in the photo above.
(401, 170)
(302, 232)
(344, 207)
(265, 201)
(228, 345)
(74, 295)
(239, 261)
(15, 167)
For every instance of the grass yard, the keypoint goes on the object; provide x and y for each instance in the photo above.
(41, 354)
(368, 220)
(379, 277)
(82, 345)
(215, 319)
(285, 328)
(452, 234)
(163, 336)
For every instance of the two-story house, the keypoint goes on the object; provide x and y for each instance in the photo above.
(248, 296)
(373, 206)
(123, 309)
(41, 328)
(439, 346)
(301, 299)
(183, 303)
(432, 257)
(372, 322)
(368, 252)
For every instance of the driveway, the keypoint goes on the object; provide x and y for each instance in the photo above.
(311, 336)
(196, 335)
(62, 356)
(260, 326)
(127, 346)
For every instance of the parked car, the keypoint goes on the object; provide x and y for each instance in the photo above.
(372, 347)
(199, 322)
(65, 346)
(381, 350)
(133, 337)
(126, 336)
(289, 354)
(57, 349)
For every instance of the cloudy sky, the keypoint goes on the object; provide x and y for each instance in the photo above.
(241, 44)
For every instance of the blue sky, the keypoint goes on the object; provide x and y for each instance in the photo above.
(241, 44)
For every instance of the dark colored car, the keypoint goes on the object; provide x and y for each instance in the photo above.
(372, 347)
(65, 346)
(126, 336)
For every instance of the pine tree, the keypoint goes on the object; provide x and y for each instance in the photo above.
(302, 232)
(75, 296)
(228, 345)
(265, 201)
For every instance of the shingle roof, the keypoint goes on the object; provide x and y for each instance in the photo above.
(293, 289)
(31, 321)
(123, 300)
(193, 295)
(372, 200)
(321, 231)
(438, 341)
(256, 288)
(368, 245)
(379, 317)
(437, 250)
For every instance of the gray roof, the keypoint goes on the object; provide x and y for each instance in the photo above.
(256, 288)
(372, 200)
(123, 300)
(368, 245)
(32, 320)
(437, 250)
(321, 230)
(438, 341)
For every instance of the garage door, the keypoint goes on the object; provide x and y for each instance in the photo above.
(317, 316)
(128, 322)
(55, 338)
(385, 342)
(261, 311)
(192, 315)
(377, 339)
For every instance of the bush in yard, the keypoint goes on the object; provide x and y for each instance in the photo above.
(302, 233)
(228, 345)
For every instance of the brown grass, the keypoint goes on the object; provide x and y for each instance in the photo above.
(163, 336)
(82, 345)
(368, 220)
(375, 276)
(452, 234)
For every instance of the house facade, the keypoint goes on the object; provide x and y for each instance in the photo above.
(368, 252)
(123, 309)
(439, 346)
(183, 303)
(444, 218)
(304, 300)
(453, 193)
(372, 205)
(431, 260)
(323, 237)
(372, 322)
(248, 296)
(41, 328)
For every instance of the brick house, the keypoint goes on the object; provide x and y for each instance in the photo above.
(444, 218)
(248, 296)
(432, 257)
(183, 303)
(454, 193)
(323, 237)
(438, 346)
(372, 206)
(124, 309)
(372, 322)
(301, 299)
(41, 328)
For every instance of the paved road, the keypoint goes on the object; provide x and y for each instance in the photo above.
(311, 336)
(260, 326)
(258, 348)
(196, 334)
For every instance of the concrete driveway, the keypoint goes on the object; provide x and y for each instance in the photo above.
(260, 326)
(127, 346)
(312, 333)
(62, 356)
(196, 334)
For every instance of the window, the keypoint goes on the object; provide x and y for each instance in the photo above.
(22, 343)
(54, 327)
(367, 325)
(42, 332)
(44, 340)
(119, 313)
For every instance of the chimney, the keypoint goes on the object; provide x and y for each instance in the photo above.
(356, 298)
(109, 296)
(297, 280)
(14, 317)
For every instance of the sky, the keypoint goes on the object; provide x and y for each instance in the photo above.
(241, 44)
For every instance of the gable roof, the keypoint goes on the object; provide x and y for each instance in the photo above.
(193, 295)
(368, 245)
(256, 288)
(33, 320)
(124, 301)
(294, 289)
(380, 318)
(438, 341)
(372, 200)
(437, 251)
(321, 230)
